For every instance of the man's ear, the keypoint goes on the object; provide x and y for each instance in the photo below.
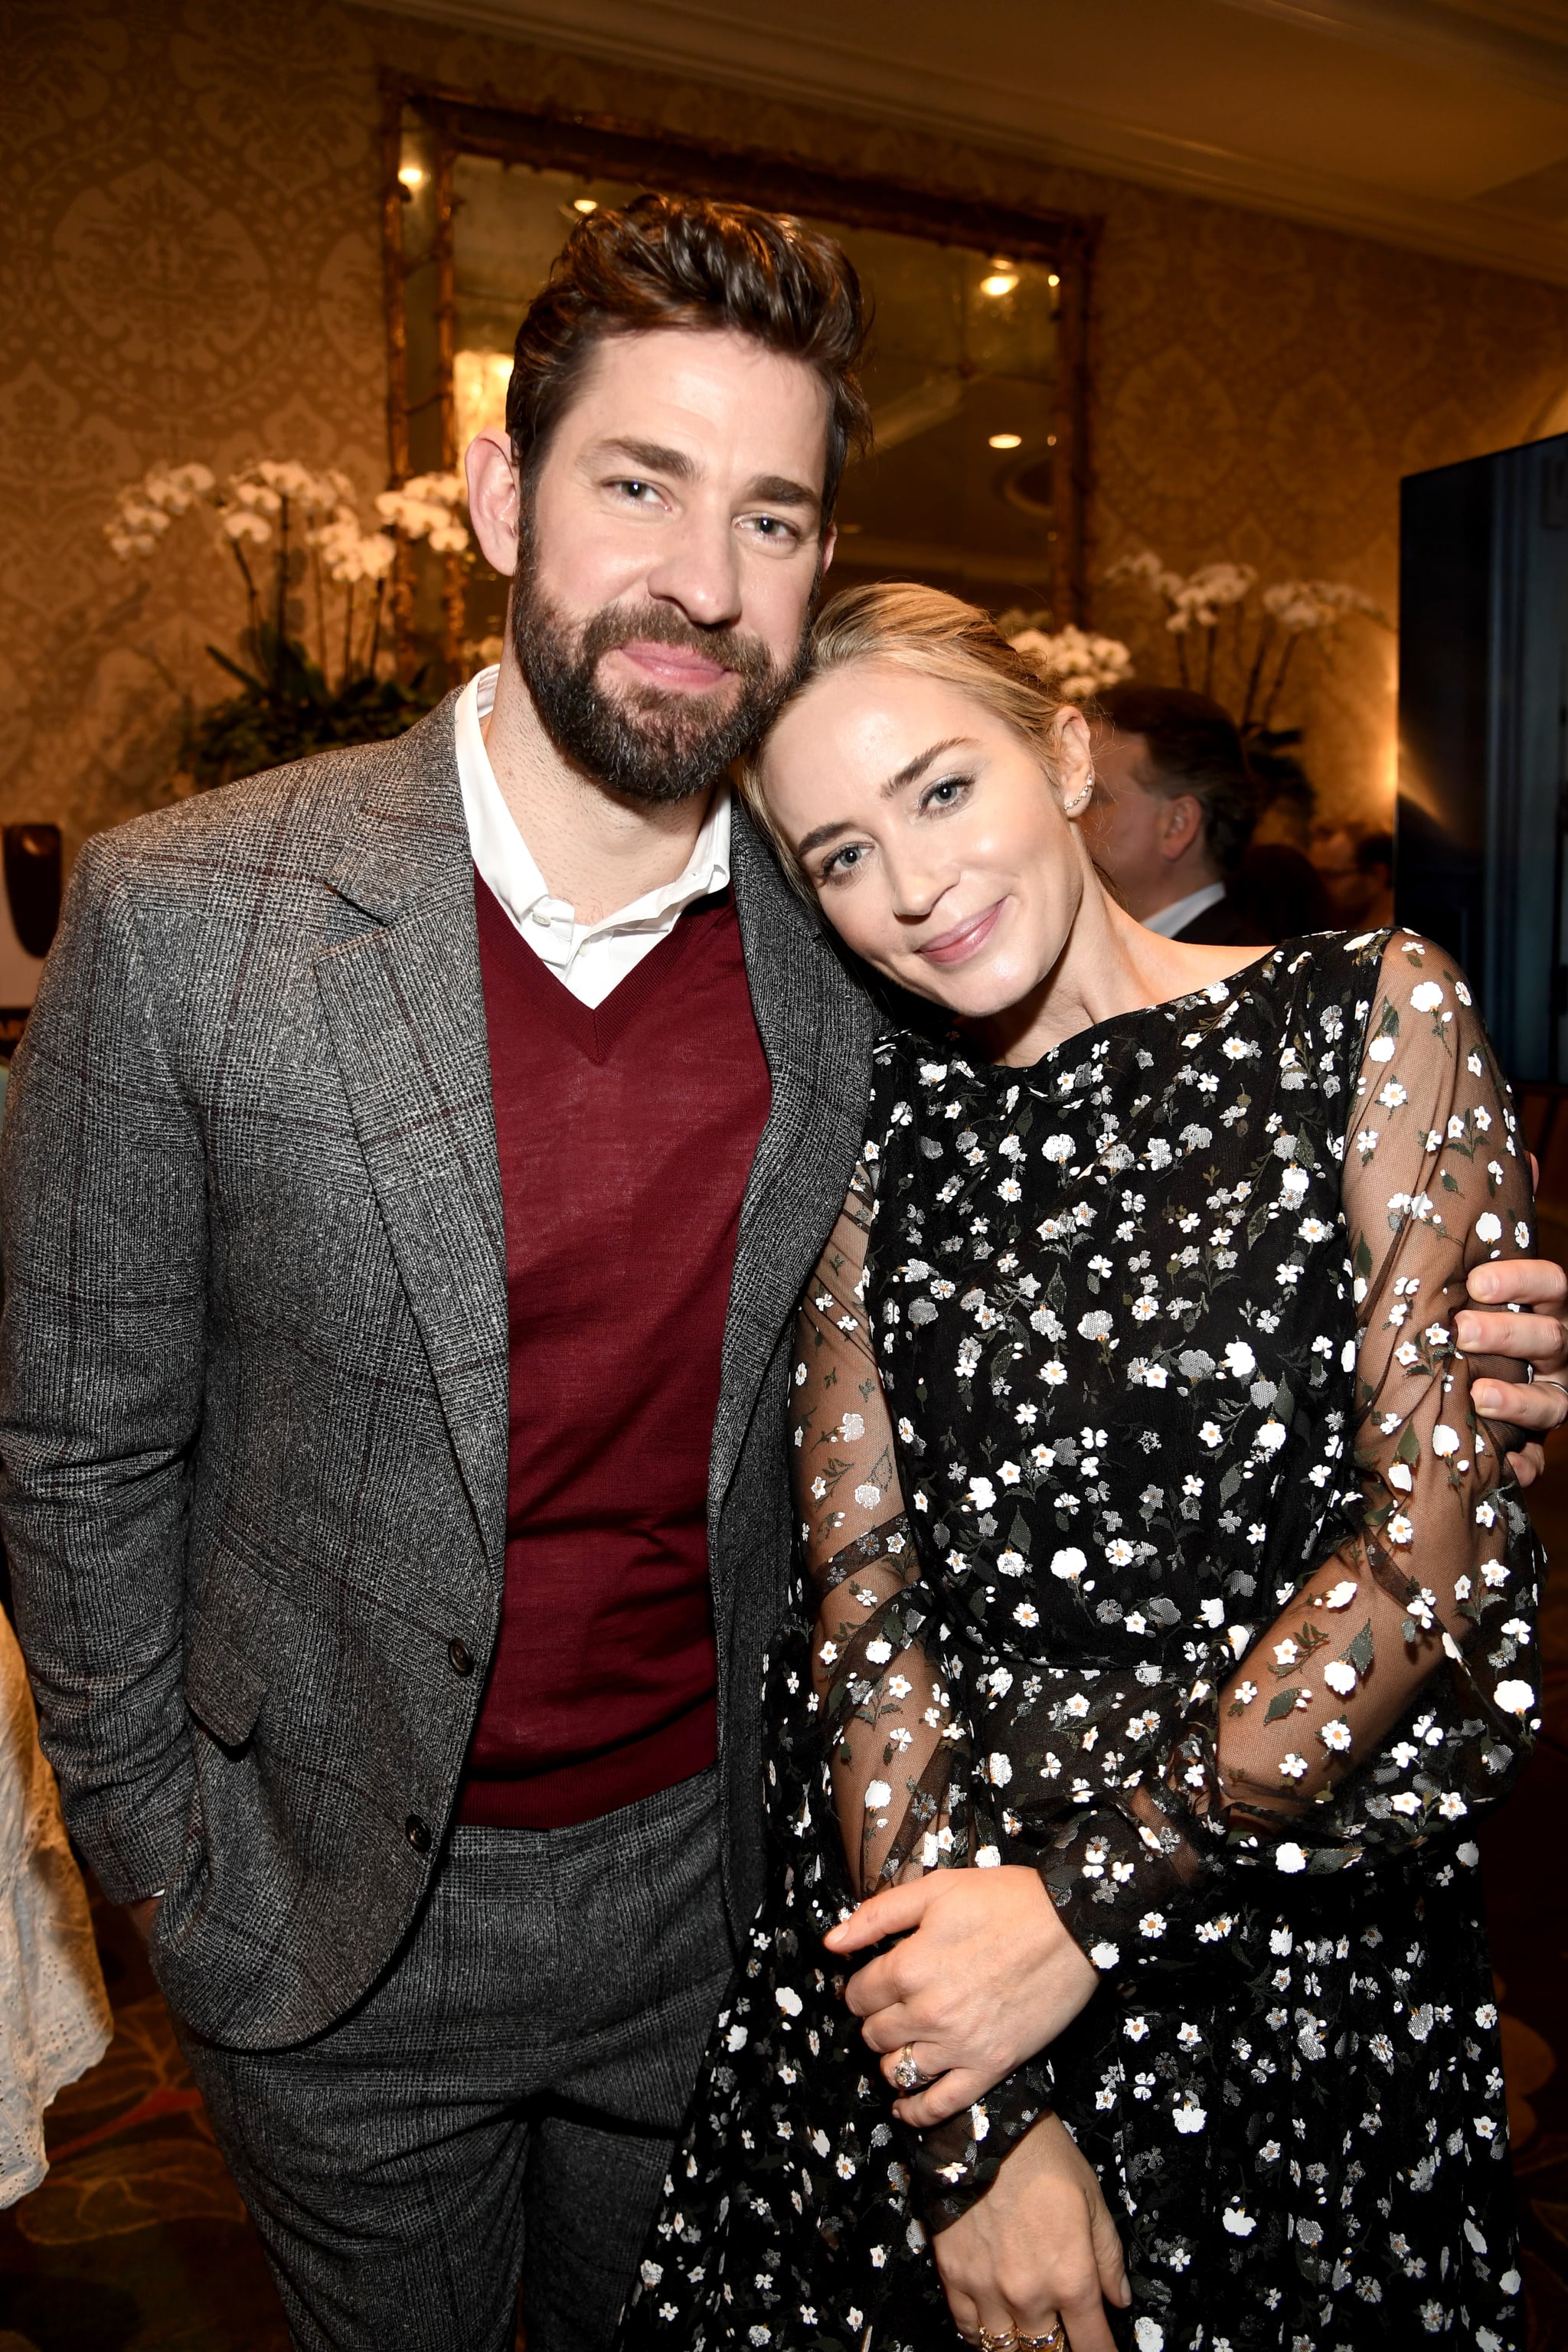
(494, 500)
(1181, 822)
(830, 542)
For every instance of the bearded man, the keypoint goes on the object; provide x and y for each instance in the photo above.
(410, 1171)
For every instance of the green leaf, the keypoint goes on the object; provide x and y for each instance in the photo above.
(1283, 1702)
(1358, 1653)
(247, 678)
(1362, 1256)
(1018, 1534)
(1409, 1446)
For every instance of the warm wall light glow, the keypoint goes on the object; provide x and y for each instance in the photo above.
(1053, 280)
(1006, 440)
(480, 381)
(412, 175)
(585, 204)
(1003, 277)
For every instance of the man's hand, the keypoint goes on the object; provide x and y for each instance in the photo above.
(985, 1976)
(1539, 1337)
(1039, 2245)
(143, 1915)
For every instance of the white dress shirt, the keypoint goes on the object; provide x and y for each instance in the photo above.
(1175, 918)
(589, 959)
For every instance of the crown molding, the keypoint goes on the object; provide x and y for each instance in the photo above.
(712, 42)
(1520, 48)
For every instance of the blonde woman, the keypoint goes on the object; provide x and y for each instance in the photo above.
(1165, 1612)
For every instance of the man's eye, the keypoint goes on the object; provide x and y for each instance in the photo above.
(640, 491)
(774, 527)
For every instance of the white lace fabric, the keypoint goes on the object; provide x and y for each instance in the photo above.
(55, 2020)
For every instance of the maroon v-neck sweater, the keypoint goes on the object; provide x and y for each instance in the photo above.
(626, 1137)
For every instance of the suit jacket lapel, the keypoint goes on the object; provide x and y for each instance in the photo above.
(816, 1026)
(405, 1006)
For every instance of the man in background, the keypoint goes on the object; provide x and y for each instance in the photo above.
(1356, 869)
(1177, 805)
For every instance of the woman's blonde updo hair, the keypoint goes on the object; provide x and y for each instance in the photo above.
(902, 625)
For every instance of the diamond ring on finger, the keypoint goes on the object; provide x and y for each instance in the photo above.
(906, 2070)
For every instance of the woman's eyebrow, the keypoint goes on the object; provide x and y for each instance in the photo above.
(912, 767)
(895, 784)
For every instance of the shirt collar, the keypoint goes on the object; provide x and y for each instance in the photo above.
(505, 865)
(1175, 918)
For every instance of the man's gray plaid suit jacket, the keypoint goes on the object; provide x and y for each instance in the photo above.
(253, 1361)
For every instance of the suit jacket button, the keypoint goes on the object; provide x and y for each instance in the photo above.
(418, 1834)
(462, 1657)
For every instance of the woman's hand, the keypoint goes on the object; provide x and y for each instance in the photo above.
(987, 1975)
(1039, 2245)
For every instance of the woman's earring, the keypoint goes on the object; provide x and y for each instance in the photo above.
(1071, 808)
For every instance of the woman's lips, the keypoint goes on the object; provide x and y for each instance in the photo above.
(675, 666)
(965, 939)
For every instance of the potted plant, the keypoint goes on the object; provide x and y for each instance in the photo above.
(312, 668)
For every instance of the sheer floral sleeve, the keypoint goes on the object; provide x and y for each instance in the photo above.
(1392, 1696)
(1441, 1571)
(895, 1748)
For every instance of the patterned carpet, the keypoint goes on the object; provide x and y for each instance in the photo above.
(137, 2242)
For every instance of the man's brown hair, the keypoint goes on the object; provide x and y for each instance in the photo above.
(685, 261)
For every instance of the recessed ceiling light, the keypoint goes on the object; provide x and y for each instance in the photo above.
(585, 204)
(1007, 441)
(412, 175)
(1003, 277)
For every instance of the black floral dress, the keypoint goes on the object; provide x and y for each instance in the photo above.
(1149, 1539)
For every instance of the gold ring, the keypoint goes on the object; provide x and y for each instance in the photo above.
(1055, 2342)
(906, 2072)
(989, 2343)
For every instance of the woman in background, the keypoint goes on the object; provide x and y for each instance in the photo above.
(1169, 1613)
(55, 2019)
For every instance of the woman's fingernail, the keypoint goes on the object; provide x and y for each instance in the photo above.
(1488, 1398)
(1483, 1283)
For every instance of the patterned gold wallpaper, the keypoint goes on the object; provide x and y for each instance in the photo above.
(190, 268)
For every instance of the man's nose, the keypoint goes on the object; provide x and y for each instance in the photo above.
(698, 567)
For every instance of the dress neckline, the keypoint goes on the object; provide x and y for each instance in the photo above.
(1241, 983)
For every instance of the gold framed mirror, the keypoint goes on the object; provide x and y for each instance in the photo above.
(978, 375)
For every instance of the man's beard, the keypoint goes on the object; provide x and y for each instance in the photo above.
(644, 743)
